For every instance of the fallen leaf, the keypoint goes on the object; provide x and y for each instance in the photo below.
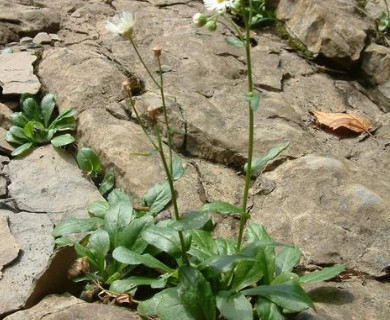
(336, 121)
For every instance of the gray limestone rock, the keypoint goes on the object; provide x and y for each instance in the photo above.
(42, 38)
(48, 181)
(376, 64)
(63, 307)
(322, 27)
(17, 73)
(4, 145)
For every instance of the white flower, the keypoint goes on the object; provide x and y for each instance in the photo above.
(122, 24)
(217, 5)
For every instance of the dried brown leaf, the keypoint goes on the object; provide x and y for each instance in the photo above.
(336, 121)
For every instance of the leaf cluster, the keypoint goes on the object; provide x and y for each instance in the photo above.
(89, 162)
(35, 125)
(130, 251)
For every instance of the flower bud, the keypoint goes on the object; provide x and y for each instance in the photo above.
(211, 25)
(236, 6)
(199, 19)
(157, 52)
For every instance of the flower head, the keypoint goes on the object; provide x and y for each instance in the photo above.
(217, 5)
(122, 24)
(199, 19)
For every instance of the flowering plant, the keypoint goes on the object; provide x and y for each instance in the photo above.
(187, 272)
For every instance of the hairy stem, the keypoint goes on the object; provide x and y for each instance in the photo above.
(244, 215)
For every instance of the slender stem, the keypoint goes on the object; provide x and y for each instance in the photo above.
(173, 193)
(139, 119)
(168, 128)
(143, 63)
(244, 215)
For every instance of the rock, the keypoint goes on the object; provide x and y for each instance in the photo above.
(32, 232)
(4, 145)
(376, 64)
(7, 35)
(42, 38)
(26, 40)
(62, 189)
(9, 248)
(322, 26)
(3, 186)
(17, 74)
(81, 73)
(68, 307)
(28, 20)
(348, 300)
(54, 37)
(340, 219)
(5, 114)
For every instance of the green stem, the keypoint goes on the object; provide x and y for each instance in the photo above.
(168, 128)
(244, 214)
(173, 193)
(140, 121)
(143, 63)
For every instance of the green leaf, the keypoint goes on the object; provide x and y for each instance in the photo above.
(99, 244)
(129, 257)
(108, 183)
(76, 226)
(195, 294)
(164, 238)
(117, 219)
(65, 121)
(36, 132)
(31, 110)
(190, 221)
(157, 197)
(254, 100)
(18, 135)
(165, 305)
(234, 306)
(288, 295)
(86, 252)
(131, 236)
(47, 106)
(247, 273)
(257, 232)
(285, 277)
(225, 246)
(21, 150)
(203, 245)
(130, 283)
(267, 310)
(117, 195)
(18, 119)
(287, 259)
(12, 139)
(98, 208)
(322, 275)
(62, 140)
(221, 208)
(219, 264)
(88, 161)
(234, 42)
(260, 163)
(177, 168)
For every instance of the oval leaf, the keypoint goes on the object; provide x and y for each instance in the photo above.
(191, 221)
(234, 306)
(76, 226)
(62, 140)
(221, 208)
(234, 42)
(322, 275)
(23, 149)
(47, 106)
(88, 161)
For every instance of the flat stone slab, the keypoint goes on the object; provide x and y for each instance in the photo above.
(63, 307)
(49, 181)
(17, 73)
(9, 248)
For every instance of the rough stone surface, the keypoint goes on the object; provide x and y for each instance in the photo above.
(376, 64)
(322, 27)
(63, 191)
(63, 307)
(16, 73)
(33, 233)
(4, 145)
(9, 249)
(42, 38)
(352, 300)
(5, 113)
(326, 193)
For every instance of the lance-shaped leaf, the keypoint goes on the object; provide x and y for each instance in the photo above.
(267, 310)
(234, 306)
(260, 163)
(287, 259)
(195, 294)
(76, 226)
(191, 221)
(157, 197)
(221, 208)
(322, 275)
(164, 238)
(47, 106)
(234, 42)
